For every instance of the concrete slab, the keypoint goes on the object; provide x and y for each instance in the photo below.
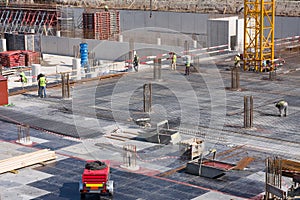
(217, 196)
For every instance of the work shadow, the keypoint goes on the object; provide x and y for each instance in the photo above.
(268, 114)
(70, 190)
(238, 126)
(30, 95)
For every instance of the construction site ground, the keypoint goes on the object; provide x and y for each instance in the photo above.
(98, 120)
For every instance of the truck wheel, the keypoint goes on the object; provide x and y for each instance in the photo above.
(82, 196)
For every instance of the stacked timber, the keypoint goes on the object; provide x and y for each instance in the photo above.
(19, 58)
(12, 58)
(26, 160)
(101, 25)
(31, 57)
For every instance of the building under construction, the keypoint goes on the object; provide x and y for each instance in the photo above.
(212, 133)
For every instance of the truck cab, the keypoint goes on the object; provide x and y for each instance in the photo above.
(96, 178)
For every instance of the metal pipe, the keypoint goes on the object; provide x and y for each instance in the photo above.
(245, 111)
(63, 85)
(68, 85)
(144, 97)
(251, 112)
(150, 97)
(237, 78)
(159, 68)
(232, 79)
(150, 8)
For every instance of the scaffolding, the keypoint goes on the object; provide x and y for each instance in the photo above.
(66, 22)
(101, 25)
(28, 20)
(259, 20)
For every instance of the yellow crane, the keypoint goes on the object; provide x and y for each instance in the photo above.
(259, 26)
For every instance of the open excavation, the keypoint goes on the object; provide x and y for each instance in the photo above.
(149, 100)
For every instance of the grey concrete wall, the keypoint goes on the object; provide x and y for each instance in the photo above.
(181, 22)
(218, 32)
(103, 50)
(287, 26)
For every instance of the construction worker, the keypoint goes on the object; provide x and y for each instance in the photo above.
(282, 107)
(237, 60)
(42, 86)
(106, 8)
(38, 80)
(173, 62)
(136, 62)
(23, 78)
(187, 65)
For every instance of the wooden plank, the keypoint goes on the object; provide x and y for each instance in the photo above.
(28, 155)
(25, 160)
(275, 190)
(243, 163)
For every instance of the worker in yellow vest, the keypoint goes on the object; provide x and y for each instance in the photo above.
(187, 65)
(42, 86)
(237, 60)
(173, 63)
(282, 107)
(23, 78)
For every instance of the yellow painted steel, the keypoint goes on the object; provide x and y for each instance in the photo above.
(259, 26)
(94, 185)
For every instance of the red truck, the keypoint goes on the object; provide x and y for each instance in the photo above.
(96, 178)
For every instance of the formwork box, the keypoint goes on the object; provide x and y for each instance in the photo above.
(222, 31)
(3, 91)
(208, 168)
(101, 25)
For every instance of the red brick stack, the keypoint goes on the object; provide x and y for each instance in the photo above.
(31, 57)
(12, 58)
(19, 58)
(101, 25)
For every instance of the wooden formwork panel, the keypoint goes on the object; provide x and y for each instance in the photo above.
(101, 25)
(25, 160)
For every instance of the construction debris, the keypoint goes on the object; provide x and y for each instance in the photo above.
(191, 148)
(243, 163)
(26, 160)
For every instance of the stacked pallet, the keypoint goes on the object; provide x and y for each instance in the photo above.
(26, 160)
(12, 58)
(101, 25)
(19, 58)
(31, 57)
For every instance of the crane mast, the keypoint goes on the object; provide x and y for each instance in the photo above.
(259, 26)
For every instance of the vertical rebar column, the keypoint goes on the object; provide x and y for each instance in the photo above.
(147, 94)
(233, 86)
(267, 194)
(129, 156)
(131, 52)
(245, 112)
(237, 78)
(272, 75)
(63, 85)
(251, 112)
(186, 47)
(150, 8)
(23, 134)
(248, 111)
(157, 69)
(68, 85)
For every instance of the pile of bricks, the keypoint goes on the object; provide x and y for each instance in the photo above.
(31, 57)
(101, 25)
(19, 58)
(12, 58)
